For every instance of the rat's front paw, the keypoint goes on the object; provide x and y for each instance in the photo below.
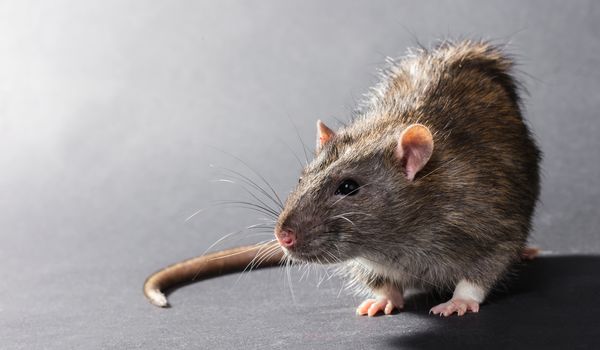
(371, 307)
(460, 306)
(530, 253)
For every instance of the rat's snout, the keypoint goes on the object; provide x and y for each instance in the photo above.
(286, 238)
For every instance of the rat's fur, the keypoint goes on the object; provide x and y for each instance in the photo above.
(460, 222)
(466, 215)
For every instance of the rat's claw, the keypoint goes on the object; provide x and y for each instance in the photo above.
(460, 306)
(371, 307)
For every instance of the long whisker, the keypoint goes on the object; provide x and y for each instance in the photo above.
(234, 254)
(272, 196)
(194, 214)
(246, 205)
(305, 272)
(247, 191)
(299, 139)
(263, 253)
(272, 213)
(289, 278)
(344, 218)
(293, 152)
(278, 200)
(229, 235)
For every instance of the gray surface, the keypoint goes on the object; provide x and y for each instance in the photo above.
(110, 113)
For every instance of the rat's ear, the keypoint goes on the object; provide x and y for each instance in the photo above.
(415, 146)
(324, 134)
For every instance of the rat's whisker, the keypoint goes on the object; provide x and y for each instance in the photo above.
(293, 152)
(304, 271)
(289, 279)
(249, 205)
(247, 191)
(227, 236)
(340, 216)
(277, 199)
(194, 214)
(248, 181)
(299, 139)
(268, 253)
(241, 204)
(236, 253)
(265, 252)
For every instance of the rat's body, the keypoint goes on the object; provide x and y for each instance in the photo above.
(432, 185)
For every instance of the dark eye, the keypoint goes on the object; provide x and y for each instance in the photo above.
(348, 187)
(300, 179)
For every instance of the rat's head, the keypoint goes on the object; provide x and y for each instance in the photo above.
(351, 195)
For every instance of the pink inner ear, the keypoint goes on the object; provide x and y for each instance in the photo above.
(324, 134)
(414, 149)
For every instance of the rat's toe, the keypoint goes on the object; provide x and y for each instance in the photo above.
(371, 307)
(377, 306)
(389, 308)
(460, 306)
(363, 308)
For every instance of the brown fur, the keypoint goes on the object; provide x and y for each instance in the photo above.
(467, 214)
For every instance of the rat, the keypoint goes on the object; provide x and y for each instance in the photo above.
(431, 186)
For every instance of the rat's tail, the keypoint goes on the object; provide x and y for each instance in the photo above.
(213, 264)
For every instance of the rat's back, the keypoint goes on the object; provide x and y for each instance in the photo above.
(474, 199)
(466, 94)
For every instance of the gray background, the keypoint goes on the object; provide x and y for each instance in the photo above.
(111, 113)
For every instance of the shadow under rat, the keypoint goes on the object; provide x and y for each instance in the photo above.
(552, 302)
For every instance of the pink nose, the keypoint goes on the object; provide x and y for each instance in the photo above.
(286, 238)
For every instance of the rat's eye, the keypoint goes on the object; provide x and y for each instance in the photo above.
(300, 179)
(348, 187)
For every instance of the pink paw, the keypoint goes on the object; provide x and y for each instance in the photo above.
(460, 306)
(530, 253)
(371, 307)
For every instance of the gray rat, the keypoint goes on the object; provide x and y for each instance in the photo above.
(431, 186)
